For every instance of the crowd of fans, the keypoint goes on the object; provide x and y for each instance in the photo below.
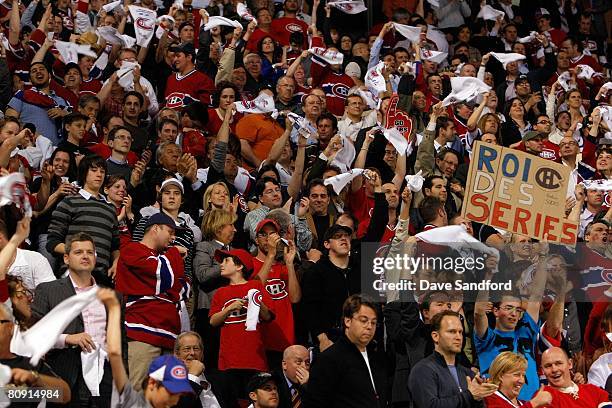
(180, 165)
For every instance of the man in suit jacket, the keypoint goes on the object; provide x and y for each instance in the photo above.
(80, 335)
(293, 378)
(190, 349)
(340, 376)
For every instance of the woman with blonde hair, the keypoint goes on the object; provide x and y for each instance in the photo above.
(508, 372)
(218, 232)
(217, 195)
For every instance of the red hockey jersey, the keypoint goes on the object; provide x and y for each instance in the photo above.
(151, 284)
(186, 89)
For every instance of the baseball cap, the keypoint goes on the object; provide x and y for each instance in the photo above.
(259, 380)
(160, 218)
(185, 48)
(604, 143)
(267, 221)
(172, 182)
(172, 373)
(532, 134)
(542, 12)
(334, 229)
(246, 259)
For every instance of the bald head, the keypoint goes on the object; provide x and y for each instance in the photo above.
(556, 366)
(296, 363)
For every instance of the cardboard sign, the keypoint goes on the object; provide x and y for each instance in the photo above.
(518, 192)
(398, 119)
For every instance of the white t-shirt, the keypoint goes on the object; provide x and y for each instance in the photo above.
(32, 268)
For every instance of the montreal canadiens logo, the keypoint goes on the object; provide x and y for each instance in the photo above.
(547, 154)
(236, 316)
(257, 298)
(178, 373)
(144, 23)
(608, 199)
(606, 275)
(293, 28)
(340, 90)
(175, 100)
(276, 289)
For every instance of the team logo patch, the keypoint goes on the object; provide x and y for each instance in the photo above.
(144, 23)
(236, 316)
(293, 28)
(178, 373)
(340, 90)
(547, 154)
(257, 298)
(175, 100)
(276, 289)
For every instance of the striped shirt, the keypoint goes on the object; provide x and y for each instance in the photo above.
(84, 213)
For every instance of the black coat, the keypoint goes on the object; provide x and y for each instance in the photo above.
(339, 378)
(284, 393)
(433, 386)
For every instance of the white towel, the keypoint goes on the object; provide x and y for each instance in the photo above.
(370, 99)
(349, 7)
(144, 24)
(415, 182)
(374, 79)
(434, 3)
(244, 13)
(412, 34)
(489, 13)
(5, 378)
(116, 7)
(586, 72)
(302, 125)
(93, 368)
(530, 38)
(465, 89)
(606, 116)
(433, 56)
(13, 191)
(126, 74)
(345, 157)
(264, 103)
(70, 51)
(456, 237)
(341, 180)
(216, 21)
(330, 56)
(506, 58)
(41, 337)
(398, 140)
(599, 185)
(563, 80)
(253, 306)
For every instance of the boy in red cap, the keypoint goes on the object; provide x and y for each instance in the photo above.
(242, 351)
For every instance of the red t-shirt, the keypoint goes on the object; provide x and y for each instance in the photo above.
(215, 122)
(284, 26)
(360, 205)
(589, 396)
(240, 349)
(279, 333)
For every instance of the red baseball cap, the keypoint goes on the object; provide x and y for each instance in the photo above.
(265, 222)
(246, 258)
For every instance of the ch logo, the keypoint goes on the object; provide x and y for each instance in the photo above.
(276, 289)
(548, 178)
(144, 23)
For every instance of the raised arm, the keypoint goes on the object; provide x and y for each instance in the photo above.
(473, 120)
(113, 337)
(14, 24)
(10, 249)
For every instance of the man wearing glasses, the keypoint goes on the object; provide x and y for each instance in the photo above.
(339, 377)
(189, 349)
(516, 328)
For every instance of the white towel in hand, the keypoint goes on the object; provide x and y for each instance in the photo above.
(254, 303)
(93, 368)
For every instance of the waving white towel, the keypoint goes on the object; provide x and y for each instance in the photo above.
(349, 7)
(330, 56)
(398, 140)
(216, 21)
(508, 57)
(264, 103)
(465, 89)
(144, 24)
(415, 181)
(433, 56)
(374, 79)
(341, 180)
(41, 337)
(456, 237)
(93, 368)
(253, 306)
(412, 34)
(489, 13)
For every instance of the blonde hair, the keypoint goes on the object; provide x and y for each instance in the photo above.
(208, 193)
(214, 220)
(506, 362)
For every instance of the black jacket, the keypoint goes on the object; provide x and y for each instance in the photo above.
(284, 393)
(339, 378)
(432, 385)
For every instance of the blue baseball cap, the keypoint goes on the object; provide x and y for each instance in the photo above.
(172, 373)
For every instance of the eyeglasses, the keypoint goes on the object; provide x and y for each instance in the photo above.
(512, 309)
(545, 122)
(365, 321)
(264, 234)
(451, 163)
(25, 292)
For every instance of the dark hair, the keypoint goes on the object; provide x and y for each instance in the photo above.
(508, 106)
(314, 183)
(354, 302)
(428, 182)
(268, 167)
(446, 150)
(89, 162)
(399, 49)
(163, 122)
(461, 57)
(113, 132)
(78, 237)
(112, 179)
(8, 119)
(107, 118)
(137, 95)
(276, 53)
(260, 186)
(74, 117)
(429, 297)
(197, 112)
(429, 209)
(72, 167)
(436, 321)
(574, 40)
(442, 123)
(4, 229)
(328, 116)
(221, 86)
